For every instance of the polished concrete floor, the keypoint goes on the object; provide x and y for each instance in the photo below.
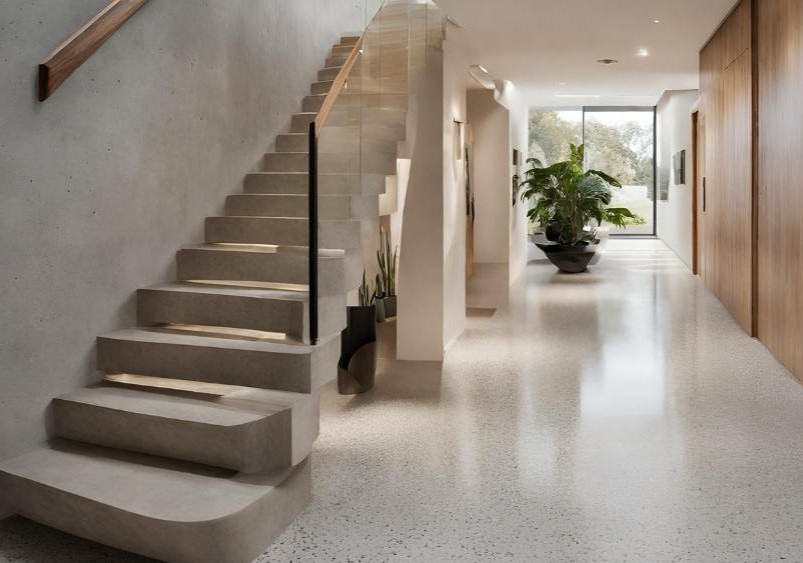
(616, 415)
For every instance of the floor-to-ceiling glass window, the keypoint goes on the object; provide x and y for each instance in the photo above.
(619, 141)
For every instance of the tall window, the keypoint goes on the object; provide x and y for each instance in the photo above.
(619, 141)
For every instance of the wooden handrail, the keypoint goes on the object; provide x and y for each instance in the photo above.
(71, 54)
(337, 86)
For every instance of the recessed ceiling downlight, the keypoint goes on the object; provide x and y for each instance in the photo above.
(607, 61)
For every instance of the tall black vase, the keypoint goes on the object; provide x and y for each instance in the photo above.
(358, 357)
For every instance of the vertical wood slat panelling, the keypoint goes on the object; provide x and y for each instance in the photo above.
(727, 224)
(779, 29)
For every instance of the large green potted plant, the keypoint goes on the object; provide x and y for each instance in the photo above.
(565, 200)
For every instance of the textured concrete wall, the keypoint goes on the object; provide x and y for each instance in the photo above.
(102, 183)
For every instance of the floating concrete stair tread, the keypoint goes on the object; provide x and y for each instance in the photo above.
(295, 251)
(338, 269)
(297, 183)
(152, 383)
(163, 406)
(210, 354)
(250, 436)
(193, 337)
(330, 207)
(159, 508)
(235, 291)
(303, 407)
(286, 231)
(239, 307)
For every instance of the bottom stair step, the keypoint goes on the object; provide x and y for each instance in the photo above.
(164, 509)
(248, 438)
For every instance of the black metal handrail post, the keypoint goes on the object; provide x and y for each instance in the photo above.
(313, 234)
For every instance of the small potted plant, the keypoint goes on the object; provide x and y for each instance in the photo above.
(357, 365)
(565, 199)
(386, 281)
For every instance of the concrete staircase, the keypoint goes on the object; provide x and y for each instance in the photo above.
(194, 447)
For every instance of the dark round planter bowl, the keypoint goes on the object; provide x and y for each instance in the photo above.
(569, 259)
(357, 365)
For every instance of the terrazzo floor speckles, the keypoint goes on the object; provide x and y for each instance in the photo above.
(617, 415)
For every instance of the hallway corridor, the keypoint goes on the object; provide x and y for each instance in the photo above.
(618, 415)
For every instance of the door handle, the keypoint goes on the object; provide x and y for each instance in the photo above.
(704, 194)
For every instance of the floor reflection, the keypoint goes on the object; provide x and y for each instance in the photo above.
(616, 415)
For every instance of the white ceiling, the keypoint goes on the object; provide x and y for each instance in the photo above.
(539, 44)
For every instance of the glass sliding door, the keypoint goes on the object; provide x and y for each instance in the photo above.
(618, 140)
(621, 142)
(551, 131)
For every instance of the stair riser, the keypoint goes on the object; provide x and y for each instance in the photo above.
(329, 207)
(328, 73)
(335, 132)
(261, 446)
(266, 205)
(368, 162)
(301, 121)
(335, 276)
(300, 373)
(328, 184)
(298, 142)
(281, 231)
(336, 60)
(286, 162)
(156, 306)
(385, 102)
(321, 87)
(343, 50)
(366, 118)
(313, 103)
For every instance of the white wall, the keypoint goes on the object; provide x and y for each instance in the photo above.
(102, 183)
(432, 302)
(455, 79)
(419, 327)
(499, 119)
(675, 134)
(492, 172)
(518, 121)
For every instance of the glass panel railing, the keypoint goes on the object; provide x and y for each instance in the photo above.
(355, 138)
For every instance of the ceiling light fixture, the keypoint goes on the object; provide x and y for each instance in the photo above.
(607, 61)
(643, 53)
(656, 21)
(481, 75)
(578, 95)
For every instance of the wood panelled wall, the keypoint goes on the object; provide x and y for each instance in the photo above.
(725, 224)
(750, 235)
(779, 31)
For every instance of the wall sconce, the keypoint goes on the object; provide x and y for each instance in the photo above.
(460, 140)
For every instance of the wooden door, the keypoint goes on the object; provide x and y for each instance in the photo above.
(699, 192)
(726, 264)
(780, 180)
